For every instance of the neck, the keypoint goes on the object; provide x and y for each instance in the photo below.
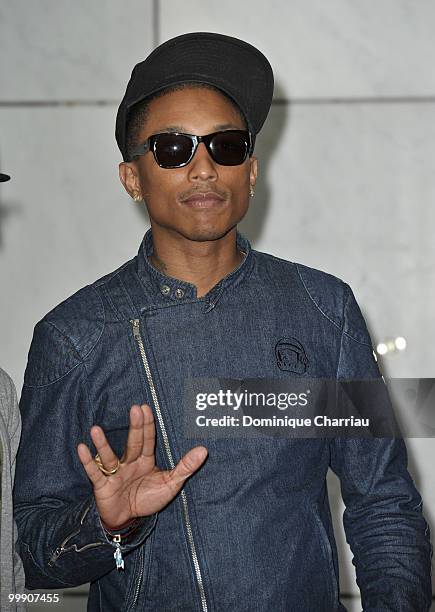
(202, 264)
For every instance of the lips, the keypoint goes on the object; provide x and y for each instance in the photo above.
(209, 196)
(209, 200)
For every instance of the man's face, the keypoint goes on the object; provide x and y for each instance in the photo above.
(192, 111)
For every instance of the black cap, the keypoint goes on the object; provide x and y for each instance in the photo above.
(4, 178)
(232, 65)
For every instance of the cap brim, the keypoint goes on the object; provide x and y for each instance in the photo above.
(4, 178)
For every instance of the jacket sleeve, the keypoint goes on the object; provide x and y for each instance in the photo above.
(14, 427)
(384, 525)
(12, 572)
(60, 537)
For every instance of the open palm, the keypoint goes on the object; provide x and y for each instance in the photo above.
(139, 487)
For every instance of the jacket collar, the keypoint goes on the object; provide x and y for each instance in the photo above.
(168, 289)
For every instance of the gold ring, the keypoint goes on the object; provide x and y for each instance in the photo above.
(98, 461)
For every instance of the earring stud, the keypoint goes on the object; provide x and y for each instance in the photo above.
(136, 197)
(251, 191)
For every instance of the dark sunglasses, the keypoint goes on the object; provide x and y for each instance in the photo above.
(174, 149)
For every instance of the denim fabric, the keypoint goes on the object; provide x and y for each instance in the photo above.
(253, 532)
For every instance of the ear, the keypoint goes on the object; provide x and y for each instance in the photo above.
(129, 177)
(253, 170)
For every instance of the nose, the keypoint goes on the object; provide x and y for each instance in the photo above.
(202, 167)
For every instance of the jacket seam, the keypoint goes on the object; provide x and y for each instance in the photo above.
(66, 338)
(356, 340)
(349, 291)
(146, 283)
(270, 256)
(341, 337)
(129, 300)
(106, 279)
(103, 326)
(313, 300)
(344, 332)
(152, 307)
(88, 397)
(69, 340)
(105, 284)
(107, 296)
(53, 381)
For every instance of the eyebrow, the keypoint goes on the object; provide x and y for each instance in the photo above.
(179, 128)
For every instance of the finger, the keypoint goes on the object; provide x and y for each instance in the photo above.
(94, 473)
(107, 456)
(187, 466)
(135, 435)
(149, 432)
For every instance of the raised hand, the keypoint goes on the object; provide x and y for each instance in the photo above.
(138, 487)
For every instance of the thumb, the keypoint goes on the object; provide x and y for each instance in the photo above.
(188, 464)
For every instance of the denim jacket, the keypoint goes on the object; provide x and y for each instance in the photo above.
(251, 531)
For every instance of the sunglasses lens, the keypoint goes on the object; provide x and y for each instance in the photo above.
(172, 150)
(230, 148)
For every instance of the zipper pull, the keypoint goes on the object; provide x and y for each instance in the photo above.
(54, 557)
(118, 554)
(135, 323)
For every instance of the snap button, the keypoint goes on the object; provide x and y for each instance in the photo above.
(179, 293)
(165, 289)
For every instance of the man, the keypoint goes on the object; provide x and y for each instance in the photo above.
(11, 568)
(226, 523)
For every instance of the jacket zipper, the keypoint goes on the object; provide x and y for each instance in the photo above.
(61, 549)
(138, 337)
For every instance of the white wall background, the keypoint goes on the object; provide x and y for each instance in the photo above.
(346, 160)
